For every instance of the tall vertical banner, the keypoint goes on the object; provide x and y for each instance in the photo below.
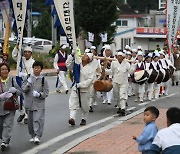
(4, 5)
(173, 21)
(19, 7)
(5, 10)
(65, 13)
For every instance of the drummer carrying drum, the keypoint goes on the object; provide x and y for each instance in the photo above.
(119, 70)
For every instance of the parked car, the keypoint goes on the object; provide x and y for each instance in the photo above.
(40, 45)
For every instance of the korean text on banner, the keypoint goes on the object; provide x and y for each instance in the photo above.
(19, 7)
(173, 21)
(65, 13)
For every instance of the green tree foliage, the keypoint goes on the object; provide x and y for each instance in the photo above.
(43, 30)
(95, 16)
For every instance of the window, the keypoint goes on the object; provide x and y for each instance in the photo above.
(124, 22)
(118, 23)
(121, 23)
(47, 43)
(124, 42)
(38, 43)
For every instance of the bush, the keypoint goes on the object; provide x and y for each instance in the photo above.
(45, 58)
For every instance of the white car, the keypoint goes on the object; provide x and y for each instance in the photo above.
(40, 45)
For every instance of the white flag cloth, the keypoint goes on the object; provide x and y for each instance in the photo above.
(19, 7)
(91, 37)
(65, 13)
(104, 37)
(173, 21)
(4, 5)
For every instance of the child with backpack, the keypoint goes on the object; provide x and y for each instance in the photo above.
(35, 90)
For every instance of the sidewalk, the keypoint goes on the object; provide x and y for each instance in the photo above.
(46, 72)
(118, 140)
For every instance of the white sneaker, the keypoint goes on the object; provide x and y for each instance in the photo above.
(136, 100)
(3, 146)
(95, 103)
(36, 140)
(31, 140)
(104, 102)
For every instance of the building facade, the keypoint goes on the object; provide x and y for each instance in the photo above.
(145, 30)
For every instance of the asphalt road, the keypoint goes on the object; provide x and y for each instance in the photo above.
(56, 121)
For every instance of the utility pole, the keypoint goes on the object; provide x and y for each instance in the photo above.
(29, 21)
(54, 30)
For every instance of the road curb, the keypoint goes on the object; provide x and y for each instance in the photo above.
(74, 143)
(49, 74)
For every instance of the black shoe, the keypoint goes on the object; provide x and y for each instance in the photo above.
(20, 118)
(67, 91)
(83, 122)
(177, 83)
(123, 113)
(119, 111)
(25, 121)
(126, 104)
(91, 109)
(71, 122)
(172, 83)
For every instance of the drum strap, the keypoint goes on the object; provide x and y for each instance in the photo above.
(166, 63)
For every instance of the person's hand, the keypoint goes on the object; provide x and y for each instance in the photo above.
(74, 52)
(6, 95)
(12, 90)
(133, 62)
(134, 137)
(57, 71)
(21, 74)
(36, 94)
(78, 86)
(29, 80)
(17, 46)
(110, 79)
(103, 73)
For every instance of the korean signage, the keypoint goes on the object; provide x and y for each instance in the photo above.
(151, 30)
(65, 11)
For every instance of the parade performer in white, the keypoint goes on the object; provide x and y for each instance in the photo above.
(96, 67)
(60, 66)
(80, 100)
(157, 67)
(119, 70)
(139, 88)
(27, 62)
(107, 96)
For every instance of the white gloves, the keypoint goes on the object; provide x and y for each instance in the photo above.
(73, 52)
(21, 74)
(29, 80)
(36, 94)
(12, 90)
(78, 86)
(6, 95)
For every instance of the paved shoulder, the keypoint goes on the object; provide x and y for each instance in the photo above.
(119, 138)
